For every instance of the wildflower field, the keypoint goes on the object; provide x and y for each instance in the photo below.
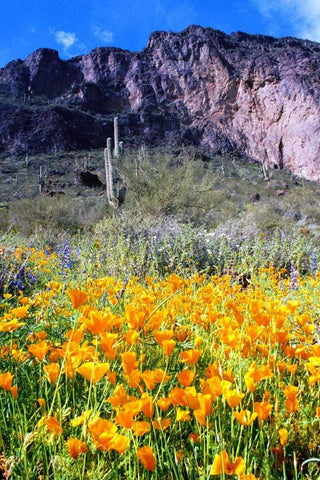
(180, 376)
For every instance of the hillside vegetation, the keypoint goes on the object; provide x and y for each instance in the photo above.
(181, 208)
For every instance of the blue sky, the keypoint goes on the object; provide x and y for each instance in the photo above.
(75, 27)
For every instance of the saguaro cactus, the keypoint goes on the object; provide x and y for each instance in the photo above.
(116, 137)
(109, 174)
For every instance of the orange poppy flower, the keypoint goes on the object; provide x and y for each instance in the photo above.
(20, 312)
(129, 361)
(194, 437)
(161, 335)
(39, 350)
(223, 465)
(14, 391)
(140, 428)
(283, 434)
(233, 397)
(52, 371)
(182, 415)
(147, 406)
(145, 455)
(255, 374)
(119, 443)
(161, 423)
(41, 402)
(185, 377)
(94, 321)
(135, 316)
(53, 425)
(124, 419)
(190, 356)
(164, 403)
(105, 437)
(10, 326)
(152, 377)
(112, 376)
(6, 380)
(75, 447)
(134, 378)
(119, 397)
(85, 415)
(107, 341)
(245, 417)
(168, 346)
(92, 371)
(263, 409)
(77, 297)
(292, 403)
(131, 336)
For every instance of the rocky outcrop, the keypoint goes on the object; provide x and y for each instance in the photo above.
(251, 94)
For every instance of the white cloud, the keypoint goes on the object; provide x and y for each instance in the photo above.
(104, 35)
(303, 15)
(65, 38)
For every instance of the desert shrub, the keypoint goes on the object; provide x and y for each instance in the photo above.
(65, 213)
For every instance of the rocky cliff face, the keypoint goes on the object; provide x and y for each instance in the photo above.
(256, 95)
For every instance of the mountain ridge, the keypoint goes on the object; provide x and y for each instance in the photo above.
(254, 95)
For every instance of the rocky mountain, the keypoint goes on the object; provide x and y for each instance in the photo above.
(255, 95)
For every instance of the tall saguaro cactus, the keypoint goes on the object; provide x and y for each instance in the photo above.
(109, 174)
(115, 186)
(116, 137)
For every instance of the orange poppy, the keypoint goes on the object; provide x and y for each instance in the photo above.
(77, 297)
(14, 391)
(161, 423)
(147, 406)
(168, 346)
(164, 403)
(39, 350)
(145, 455)
(255, 374)
(124, 419)
(131, 336)
(185, 377)
(95, 321)
(182, 415)
(129, 361)
(52, 371)
(245, 417)
(233, 397)
(105, 437)
(283, 434)
(190, 356)
(223, 465)
(112, 376)
(75, 447)
(41, 402)
(53, 425)
(140, 428)
(290, 393)
(263, 409)
(194, 437)
(107, 341)
(6, 380)
(10, 325)
(162, 335)
(92, 371)
(152, 377)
